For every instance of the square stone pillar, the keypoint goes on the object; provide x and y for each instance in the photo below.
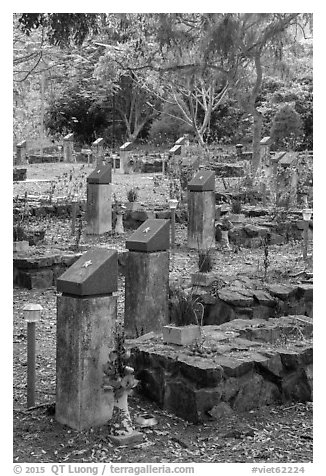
(98, 151)
(201, 211)
(21, 149)
(124, 157)
(68, 147)
(265, 144)
(147, 278)
(86, 316)
(99, 201)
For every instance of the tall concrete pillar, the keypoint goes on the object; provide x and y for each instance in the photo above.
(125, 157)
(201, 211)
(99, 201)
(264, 151)
(147, 278)
(86, 316)
(68, 147)
(98, 151)
(21, 150)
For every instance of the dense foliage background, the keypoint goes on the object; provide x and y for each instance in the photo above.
(222, 78)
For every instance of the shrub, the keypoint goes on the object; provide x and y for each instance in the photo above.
(236, 206)
(286, 128)
(181, 306)
(205, 261)
(132, 195)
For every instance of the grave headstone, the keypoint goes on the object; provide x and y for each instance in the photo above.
(238, 148)
(265, 144)
(99, 201)
(97, 146)
(21, 150)
(201, 210)
(125, 157)
(68, 147)
(147, 278)
(86, 316)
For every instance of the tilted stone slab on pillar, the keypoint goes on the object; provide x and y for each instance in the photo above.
(86, 315)
(99, 201)
(152, 235)
(146, 292)
(203, 181)
(94, 273)
(84, 334)
(175, 150)
(101, 175)
(201, 211)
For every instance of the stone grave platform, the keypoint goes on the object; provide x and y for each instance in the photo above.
(41, 271)
(244, 298)
(241, 365)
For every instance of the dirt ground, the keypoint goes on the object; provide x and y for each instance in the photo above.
(280, 434)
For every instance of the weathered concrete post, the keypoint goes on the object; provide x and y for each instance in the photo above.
(201, 210)
(147, 278)
(86, 316)
(98, 151)
(265, 144)
(68, 147)
(99, 201)
(124, 157)
(238, 148)
(274, 164)
(21, 150)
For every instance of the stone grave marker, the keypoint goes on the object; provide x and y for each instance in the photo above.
(99, 201)
(147, 278)
(86, 316)
(265, 144)
(97, 146)
(125, 157)
(21, 150)
(201, 210)
(68, 147)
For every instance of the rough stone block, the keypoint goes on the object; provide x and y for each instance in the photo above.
(182, 335)
(202, 279)
(146, 292)
(220, 410)
(84, 337)
(20, 246)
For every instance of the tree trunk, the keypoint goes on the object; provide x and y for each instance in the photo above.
(256, 138)
(257, 116)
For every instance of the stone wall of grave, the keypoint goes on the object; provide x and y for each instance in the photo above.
(244, 299)
(246, 364)
(41, 272)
